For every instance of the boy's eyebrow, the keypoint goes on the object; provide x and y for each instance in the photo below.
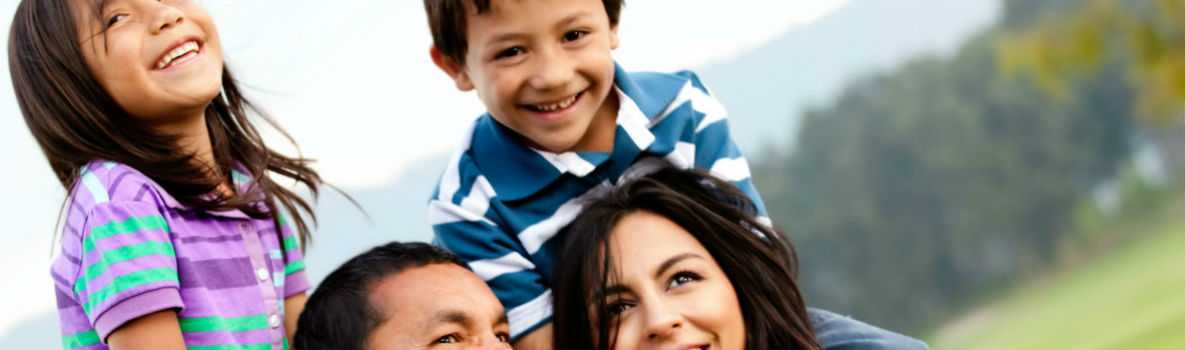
(571, 18)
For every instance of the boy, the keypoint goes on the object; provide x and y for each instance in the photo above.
(563, 122)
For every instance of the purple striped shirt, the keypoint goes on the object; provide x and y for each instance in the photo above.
(130, 249)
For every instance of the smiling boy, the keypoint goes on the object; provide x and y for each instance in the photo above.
(564, 122)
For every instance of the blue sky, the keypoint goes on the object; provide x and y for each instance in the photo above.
(350, 75)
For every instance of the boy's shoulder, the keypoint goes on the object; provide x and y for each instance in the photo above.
(653, 92)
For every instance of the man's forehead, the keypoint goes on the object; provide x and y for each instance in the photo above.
(435, 291)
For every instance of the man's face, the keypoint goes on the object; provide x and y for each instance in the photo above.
(439, 306)
(543, 68)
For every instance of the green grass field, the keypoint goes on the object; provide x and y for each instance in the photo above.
(1130, 298)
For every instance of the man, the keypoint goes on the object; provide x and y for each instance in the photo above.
(402, 296)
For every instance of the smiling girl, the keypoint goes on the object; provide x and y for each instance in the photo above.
(173, 235)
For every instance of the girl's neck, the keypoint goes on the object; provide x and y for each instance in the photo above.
(194, 138)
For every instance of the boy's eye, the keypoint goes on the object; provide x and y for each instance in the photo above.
(574, 35)
(507, 53)
(682, 278)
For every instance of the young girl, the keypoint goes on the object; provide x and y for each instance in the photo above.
(172, 235)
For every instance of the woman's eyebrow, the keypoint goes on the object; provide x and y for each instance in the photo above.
(670, 262)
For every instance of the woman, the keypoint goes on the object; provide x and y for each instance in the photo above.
(677, 258)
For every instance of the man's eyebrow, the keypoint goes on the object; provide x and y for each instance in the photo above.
(503, 319)
(451, 316)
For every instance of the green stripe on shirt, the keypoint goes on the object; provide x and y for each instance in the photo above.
(80, 339)
(294, 267)
(133, 224)
(223, 324)
(121, 254)
(129, 281)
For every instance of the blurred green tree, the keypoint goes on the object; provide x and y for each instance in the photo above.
(1061, 46)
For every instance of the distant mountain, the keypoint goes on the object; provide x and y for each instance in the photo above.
(766, 89)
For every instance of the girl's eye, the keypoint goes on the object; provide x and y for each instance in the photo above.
(115, 19)
(574, 35)
(504, 337)
(448, 339)
(682, 278)
(507, 53)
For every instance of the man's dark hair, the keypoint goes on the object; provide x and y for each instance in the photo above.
(339, 315)
(446, 19)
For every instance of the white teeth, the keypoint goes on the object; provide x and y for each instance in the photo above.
(187, 47)
(558, 105)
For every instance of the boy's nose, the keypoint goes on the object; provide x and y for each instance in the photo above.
(552, 71)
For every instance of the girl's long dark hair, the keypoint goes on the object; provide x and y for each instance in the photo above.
(75, 121)
(759, 262)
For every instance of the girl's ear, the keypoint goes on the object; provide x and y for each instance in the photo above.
(454, 70)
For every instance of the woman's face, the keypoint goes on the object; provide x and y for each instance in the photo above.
(157, 59)
(666, 291)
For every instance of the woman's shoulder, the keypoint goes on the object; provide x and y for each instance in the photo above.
(837, 332)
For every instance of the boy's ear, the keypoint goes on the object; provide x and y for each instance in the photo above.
(613, 37)
(452, 68)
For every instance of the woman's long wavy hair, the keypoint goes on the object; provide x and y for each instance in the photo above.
(75, 121)
(759, 261)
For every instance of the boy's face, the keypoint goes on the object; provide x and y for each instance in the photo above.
(543, 68)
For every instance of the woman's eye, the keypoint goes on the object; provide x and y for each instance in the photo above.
(617, 308)
(448, 339)
(682, 278)
(574, 35)
(504, 337)
(507, 53)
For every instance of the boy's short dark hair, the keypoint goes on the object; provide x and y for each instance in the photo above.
(339, 314)
(446, 19)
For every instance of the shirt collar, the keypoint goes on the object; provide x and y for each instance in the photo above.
(642, 98)
(239, 178)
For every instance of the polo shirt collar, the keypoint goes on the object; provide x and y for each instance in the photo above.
(239, 177)
(495, 146)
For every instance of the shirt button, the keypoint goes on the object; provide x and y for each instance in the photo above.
(262, 274)
(274, 321)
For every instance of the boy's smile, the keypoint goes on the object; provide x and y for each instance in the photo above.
(543, 68)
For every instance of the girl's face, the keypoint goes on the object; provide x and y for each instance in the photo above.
(666, 291)
(159, 59)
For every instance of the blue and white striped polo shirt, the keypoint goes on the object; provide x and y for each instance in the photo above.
(500, 203)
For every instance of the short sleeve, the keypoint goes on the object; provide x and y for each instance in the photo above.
(296, 281)
(715, 149)
(128, 265)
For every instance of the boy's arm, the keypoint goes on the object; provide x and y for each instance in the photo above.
(715, 149)
(499, 259)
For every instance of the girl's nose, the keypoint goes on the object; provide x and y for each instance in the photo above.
(165, 17)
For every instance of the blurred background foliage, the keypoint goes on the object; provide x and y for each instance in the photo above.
(937, 197)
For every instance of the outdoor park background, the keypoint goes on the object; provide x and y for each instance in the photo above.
(983, 174)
